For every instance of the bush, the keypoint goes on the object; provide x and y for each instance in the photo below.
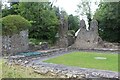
(71, 33)
(34, 41)
(14, 24)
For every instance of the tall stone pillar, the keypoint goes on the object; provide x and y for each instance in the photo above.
(63, 29)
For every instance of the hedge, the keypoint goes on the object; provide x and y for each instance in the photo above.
(12, 24)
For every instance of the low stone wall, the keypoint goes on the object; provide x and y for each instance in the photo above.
(15, 43)
(44, 54)
(111, 45)
(60, 71)
(43, 46)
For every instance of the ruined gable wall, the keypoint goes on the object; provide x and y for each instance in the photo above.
(90, 39)
(87, 39)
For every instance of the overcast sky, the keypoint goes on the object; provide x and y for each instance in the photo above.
(70, 6)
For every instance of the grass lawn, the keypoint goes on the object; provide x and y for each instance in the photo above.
(87, 60)
(16, 71)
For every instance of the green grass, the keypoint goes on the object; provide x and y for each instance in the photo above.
(87, 60)
(17, 71)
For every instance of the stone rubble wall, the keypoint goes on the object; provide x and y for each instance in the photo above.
(62, 71)
(111, 45)
(62, 42)
(43, 46)
(15, 43)
(71, 40)
(90, 39)
(58, 70)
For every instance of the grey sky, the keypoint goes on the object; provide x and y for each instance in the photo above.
(70, 6)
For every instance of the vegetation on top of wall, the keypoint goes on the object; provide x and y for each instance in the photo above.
(71, 33)
(12, 24)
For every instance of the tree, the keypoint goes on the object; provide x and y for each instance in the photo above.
(84, 9)
(43, 18)
(73, 22)
(41, 15)
(12, 10)
(0, 9)
(109, 19)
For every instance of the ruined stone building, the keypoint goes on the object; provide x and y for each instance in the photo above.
(15, 43)
(87, 39)
(90, 39)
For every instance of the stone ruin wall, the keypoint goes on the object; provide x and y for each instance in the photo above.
(15, 43)
(63, 29)
(90, 39)
(87, 39)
